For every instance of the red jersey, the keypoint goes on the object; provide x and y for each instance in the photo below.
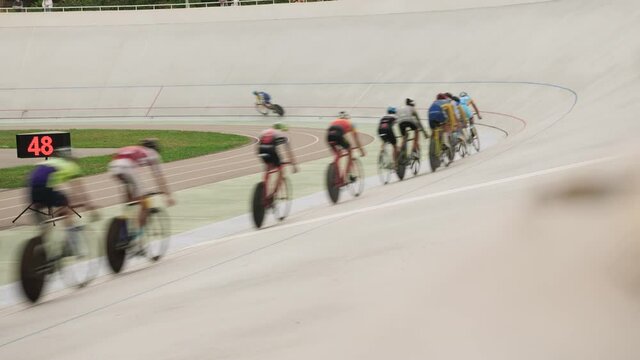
(140, 155)
(345, 124)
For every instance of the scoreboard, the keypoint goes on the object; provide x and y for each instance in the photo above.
(41, 144)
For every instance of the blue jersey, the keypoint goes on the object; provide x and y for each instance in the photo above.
(464, 102)
(265, 97)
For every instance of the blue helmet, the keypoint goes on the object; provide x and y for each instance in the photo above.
(391, 110)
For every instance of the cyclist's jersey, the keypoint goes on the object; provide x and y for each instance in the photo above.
(408, 113)
(272, 137)
(54, 172)
(139, 155)
(465, 102)
(346, 125)
(387, 121)
(264, 97)
(440, 111)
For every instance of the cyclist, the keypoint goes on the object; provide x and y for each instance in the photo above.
(440, 113)
(465, 101)
(263, 98)
(124, 167)
(43, 185)
(408, 119)
(268, 144)
(337, 132)
(385, 130)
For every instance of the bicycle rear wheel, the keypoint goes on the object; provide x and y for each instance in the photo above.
(155, 236)
(355, 178)
(384, 165)
(461, 147)
(262, 109)
(278, 109)
(258, 205)
(32, 263)
(79, 265)
(116, 235)
(434, 158)
(282, 200)
(333, 186)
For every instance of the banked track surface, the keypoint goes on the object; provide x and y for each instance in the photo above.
(485, 260)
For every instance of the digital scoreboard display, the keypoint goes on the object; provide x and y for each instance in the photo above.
(41, 144)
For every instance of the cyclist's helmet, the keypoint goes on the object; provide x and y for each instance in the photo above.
(344, 115)
(410, 102)
(151, 144)
(463, 94)
(391, 110)
(280, 126)
(441, 96)
(255, 93)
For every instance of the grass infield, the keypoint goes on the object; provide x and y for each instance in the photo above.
(175, 145)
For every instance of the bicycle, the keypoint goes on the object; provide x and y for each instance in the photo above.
(405, 160)
(278, 200)
(385, 163)
(352, 177)
(474, 139)
(151, 240)
(73, 257)
(264, 108)
(439, 150)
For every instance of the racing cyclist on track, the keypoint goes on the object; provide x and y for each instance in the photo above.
(268, 147)
(338, 131)
(124, 167)
(385, 130)
(408, 119)
(43, 185)
(262, 98)
(465, 102)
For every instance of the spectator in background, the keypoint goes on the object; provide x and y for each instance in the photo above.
(47, 5)
(17, 5)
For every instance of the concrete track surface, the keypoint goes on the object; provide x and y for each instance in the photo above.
(528, 250)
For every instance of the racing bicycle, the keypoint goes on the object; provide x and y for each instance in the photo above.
(125, 239)
(352, 177)
(406, 160)
(270, 195)
(66, 251)
(264, 108)
(386, 165)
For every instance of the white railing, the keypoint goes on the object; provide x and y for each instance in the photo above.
(183, 5)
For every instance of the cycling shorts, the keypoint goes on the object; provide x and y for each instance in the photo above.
(48, 197)
(406, 125)
(124, 169)
(269, 155)
(386, 133)
(335, 137)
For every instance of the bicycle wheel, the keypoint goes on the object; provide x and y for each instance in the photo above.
(79, 264)
(262, 109)
(384, 165)
(476, 139)
(116, 234)
(415, 164)
(355, 178)
(282, 200)
(258, 205)
(434, 157)
(461, 147)
(450, 150)
(333, 187)
(32, 264)
(401, 162)
(278, 109)
(155, 235)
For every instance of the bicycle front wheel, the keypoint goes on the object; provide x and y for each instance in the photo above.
(384, 165)
(355, 179)
(32, 264)
(333, 185)
(79, 264)
(262, 109)
(282, 200)
(476, 139)
(434, 156)
(156, 234)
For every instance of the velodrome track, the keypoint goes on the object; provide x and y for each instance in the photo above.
(308, 144)
(527, 250)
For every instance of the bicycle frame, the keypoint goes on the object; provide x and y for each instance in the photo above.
(271, 169)
(339, 154)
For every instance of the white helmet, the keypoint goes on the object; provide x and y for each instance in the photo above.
(344, 115)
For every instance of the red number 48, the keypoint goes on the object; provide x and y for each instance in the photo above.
(38, 145)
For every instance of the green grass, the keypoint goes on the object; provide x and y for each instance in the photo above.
(175, 145)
